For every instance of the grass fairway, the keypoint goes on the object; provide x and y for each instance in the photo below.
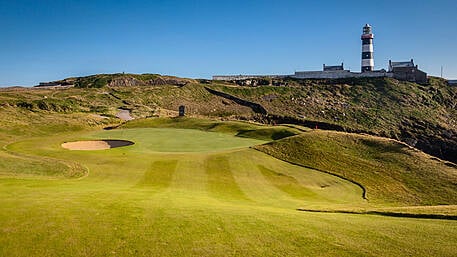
(188, 192)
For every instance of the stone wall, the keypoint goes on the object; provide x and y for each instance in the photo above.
(310, 75)
(243, 77)
(339, 74)
(322, 74)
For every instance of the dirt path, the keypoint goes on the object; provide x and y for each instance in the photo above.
(124, 115)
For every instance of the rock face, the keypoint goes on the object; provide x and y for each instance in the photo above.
(443, 146)
(167, 81)
(125, 82)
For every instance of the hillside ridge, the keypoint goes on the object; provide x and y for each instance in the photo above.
(423, 116)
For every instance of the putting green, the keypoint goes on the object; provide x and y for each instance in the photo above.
(219, 163)
(176, 140)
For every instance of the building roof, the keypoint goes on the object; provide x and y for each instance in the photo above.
(407, 64)
(402, 64)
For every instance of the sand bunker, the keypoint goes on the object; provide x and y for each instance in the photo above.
(96, 144)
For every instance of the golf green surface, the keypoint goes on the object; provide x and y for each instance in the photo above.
(183, 192)
(149, 140)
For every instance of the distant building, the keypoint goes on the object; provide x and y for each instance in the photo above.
(452, 82)
(49, 84)
(333, 68)
(244, 77)
(339, 74)
(407, 71)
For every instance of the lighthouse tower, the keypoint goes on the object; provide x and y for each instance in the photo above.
(367, 49)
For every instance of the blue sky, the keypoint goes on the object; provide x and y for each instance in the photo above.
(50, 40)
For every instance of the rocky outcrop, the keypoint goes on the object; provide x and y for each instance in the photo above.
(168, 81)
(430, 138)
(130, 81)
(126, 81)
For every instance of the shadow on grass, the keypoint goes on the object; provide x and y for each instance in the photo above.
(390, 214)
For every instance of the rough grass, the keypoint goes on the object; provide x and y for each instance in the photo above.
(424, 116)
(379, 105)
(391, 172)
(143, 101)
(12, 165)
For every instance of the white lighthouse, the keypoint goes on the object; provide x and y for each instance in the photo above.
(367, 49)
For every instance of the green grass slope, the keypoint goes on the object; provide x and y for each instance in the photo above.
(19, 124)
(230, 202)
(422, 115)
(192, 187)
(391, 172)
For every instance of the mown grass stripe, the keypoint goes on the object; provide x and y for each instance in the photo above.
(221, 182)
(286, 183)
(190, 175)
(159, 174)
(252, 182)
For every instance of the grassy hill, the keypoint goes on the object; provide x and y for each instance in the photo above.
(143, 101)
(122, 79)
(391, 172)
(424, 116)
(197, 186)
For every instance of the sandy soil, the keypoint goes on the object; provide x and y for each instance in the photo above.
(124, 115)
(95, 144)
